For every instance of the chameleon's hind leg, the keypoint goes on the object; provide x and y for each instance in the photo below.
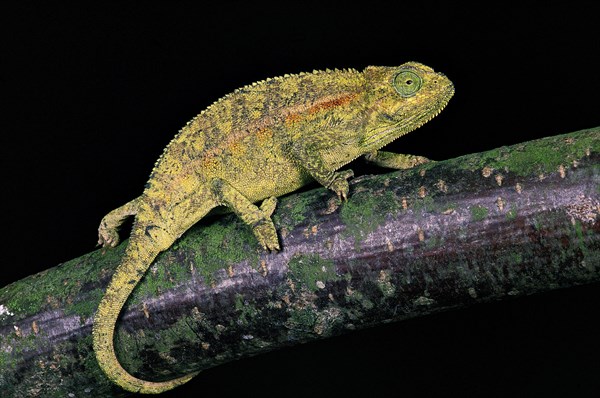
(108, 231)
(258, 218)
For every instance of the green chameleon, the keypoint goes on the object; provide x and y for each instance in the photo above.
(262, 141)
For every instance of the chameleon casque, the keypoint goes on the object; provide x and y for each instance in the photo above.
(259, 142)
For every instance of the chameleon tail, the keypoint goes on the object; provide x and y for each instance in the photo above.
(143, 248)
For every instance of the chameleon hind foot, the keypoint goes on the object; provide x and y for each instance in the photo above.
(108, 231)
(107, 236)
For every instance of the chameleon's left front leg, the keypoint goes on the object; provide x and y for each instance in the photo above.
(394, 160)
(307, 157)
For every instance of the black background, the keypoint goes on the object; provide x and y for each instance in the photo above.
(91, 95)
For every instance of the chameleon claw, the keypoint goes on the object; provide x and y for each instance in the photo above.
(340, 185)
(267, 235)
(107, 238)
(270, 249)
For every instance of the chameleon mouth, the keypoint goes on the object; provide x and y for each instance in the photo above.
(388, 134)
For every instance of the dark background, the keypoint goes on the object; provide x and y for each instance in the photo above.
(91, 95)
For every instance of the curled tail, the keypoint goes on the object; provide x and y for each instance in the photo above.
(143, 248)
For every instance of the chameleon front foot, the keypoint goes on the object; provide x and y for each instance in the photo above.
(393, 160)
(339, 185)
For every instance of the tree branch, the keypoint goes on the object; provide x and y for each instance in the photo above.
(508, 222)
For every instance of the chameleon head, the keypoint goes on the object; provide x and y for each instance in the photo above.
(401, 99)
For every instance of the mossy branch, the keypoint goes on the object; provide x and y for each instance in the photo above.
(507, 222)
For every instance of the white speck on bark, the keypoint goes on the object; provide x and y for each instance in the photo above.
(5, 311)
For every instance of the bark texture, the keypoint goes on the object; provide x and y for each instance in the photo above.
(512, 221)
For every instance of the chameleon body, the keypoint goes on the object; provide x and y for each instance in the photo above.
(259, 142)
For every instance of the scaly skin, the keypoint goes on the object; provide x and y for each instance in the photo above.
(259, 142)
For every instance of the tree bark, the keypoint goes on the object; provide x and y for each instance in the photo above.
(508, 222)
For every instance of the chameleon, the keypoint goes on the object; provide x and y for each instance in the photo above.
(259, 142)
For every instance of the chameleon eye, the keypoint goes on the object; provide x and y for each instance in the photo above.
(407, 83)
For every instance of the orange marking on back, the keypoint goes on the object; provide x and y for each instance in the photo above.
(261, 128)
(331, 103)
(298, 113)
(292, 118)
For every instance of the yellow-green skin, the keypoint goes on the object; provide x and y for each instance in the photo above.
(259, 142)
